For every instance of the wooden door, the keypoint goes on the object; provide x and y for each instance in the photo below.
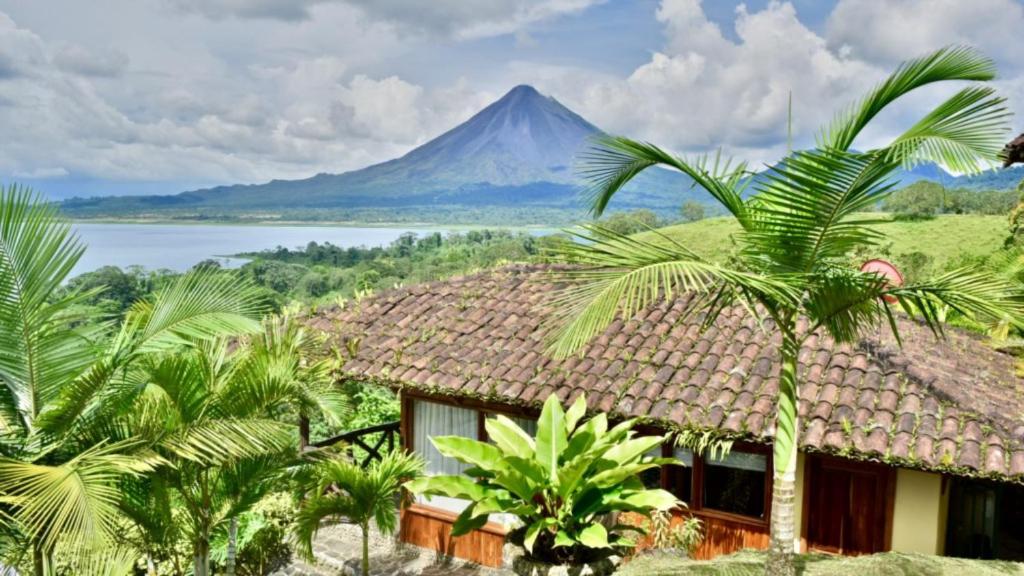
(849, 506)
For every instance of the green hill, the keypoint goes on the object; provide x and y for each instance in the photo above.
(943, 239)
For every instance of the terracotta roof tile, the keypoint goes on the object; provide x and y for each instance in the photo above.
(953, 404)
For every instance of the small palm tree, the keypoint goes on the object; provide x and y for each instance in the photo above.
(61, 376)
(344, 490)
(797, 231)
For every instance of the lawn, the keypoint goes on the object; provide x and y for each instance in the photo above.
(750, 563)
(943, 238)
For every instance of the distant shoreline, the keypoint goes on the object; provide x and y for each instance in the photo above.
(309, 224)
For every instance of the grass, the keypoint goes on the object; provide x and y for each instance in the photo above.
(751, 563)
(944, 238)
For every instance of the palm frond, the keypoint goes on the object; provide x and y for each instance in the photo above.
(809, 208)
(971, 292)
(201, 305)
(223, 440)
(38, 352)
(950, 63)
(964, 133)
(613, 161)
(75, 503)
(620, 275)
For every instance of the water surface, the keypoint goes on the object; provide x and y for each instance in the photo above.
(181, 246)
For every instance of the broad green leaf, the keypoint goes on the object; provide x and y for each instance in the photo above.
(575, 413)
(632, 450)
(509, 437)
(551, 437)
(532, 531)
(594, 536)
(562, 539)
(657, 499)
(470, 519)
(480, 454)
(450, 486)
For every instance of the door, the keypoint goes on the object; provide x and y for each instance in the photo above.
(849, 505)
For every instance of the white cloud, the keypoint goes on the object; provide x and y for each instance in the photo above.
(80, 60)
(890, 31)
(705, 90)
(457, 18)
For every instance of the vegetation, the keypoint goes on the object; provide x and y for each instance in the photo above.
(751, 563)
(343, 490)
(925, 200)
(561, 484)
(796, 236)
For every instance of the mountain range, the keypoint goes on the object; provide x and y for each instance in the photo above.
(516, 156)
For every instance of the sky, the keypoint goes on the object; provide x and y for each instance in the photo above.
(160, 96)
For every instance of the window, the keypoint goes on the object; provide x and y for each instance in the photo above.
(652, 477)
(431, 419)
(680, 478)
(736, 484)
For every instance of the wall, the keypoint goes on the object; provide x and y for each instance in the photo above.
(918, 519)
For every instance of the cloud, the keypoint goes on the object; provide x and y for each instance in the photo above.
(79, 60)
(890, 31)
(288, 10)
(455, 18)
(704, 90)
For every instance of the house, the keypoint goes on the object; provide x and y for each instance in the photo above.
(912, 449)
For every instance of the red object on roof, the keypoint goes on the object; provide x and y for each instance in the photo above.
(883, 268)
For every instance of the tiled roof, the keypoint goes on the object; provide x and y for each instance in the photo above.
(953, 405)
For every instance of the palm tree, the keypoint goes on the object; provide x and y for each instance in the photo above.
(797, 233)
(60, 375)
(344, 490)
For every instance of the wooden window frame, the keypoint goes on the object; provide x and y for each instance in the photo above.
(696, 503)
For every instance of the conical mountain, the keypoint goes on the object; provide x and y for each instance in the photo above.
(519, 152)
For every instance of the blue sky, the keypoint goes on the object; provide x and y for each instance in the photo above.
(159, 96)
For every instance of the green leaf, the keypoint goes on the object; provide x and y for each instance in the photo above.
(551, 436)
(480, 454)
(575, 413)
(657, 499)
(468, 521)
(509, 437)
(450, 486)
(594, 536)
(562, 540)
(532, 531)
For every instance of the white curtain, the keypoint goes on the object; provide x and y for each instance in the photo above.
(431, 419)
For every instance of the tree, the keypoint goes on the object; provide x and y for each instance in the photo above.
(560, 485)
(692, 211)
(59, 465)
(242, 390)
(344, 490)
(796, 232)
(632, 221)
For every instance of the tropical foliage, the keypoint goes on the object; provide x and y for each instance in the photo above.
(563, 485)
(148, 432)
(796, 232)
(342, 490)
(60, 377)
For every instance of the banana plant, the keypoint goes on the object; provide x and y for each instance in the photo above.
(562, 484)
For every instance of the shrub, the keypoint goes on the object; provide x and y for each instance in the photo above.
(563, 485)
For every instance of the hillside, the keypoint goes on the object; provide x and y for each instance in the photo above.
(943, 239)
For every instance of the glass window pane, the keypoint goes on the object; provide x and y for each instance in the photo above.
(680, 478)
(652, 477)
(431, 419)
(736, 483)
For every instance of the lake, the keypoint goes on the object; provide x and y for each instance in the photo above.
(180, 246)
